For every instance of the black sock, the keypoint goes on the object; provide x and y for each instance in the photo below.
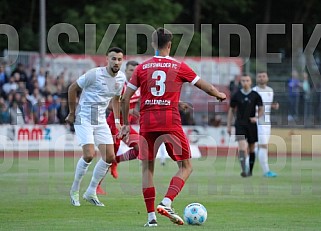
(252, 161)
(242, 160)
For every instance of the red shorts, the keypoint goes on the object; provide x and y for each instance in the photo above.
(133, 136)
(176, 144)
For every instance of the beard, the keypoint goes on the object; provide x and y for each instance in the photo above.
(114, 69)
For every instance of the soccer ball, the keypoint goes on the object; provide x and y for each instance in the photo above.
(195, 214)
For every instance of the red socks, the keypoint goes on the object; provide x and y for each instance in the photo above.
(149, 197)
(175, 186)
(131, 154)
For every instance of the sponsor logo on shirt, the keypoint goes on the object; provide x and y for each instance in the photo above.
(157, 102)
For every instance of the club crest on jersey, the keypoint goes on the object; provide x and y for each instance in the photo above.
(117, 86)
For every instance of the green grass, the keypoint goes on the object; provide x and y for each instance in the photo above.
(34, 196)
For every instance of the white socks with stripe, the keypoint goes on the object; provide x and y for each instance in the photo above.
(81, 169)
(100, 171)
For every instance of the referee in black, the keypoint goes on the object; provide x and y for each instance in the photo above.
(244, 103)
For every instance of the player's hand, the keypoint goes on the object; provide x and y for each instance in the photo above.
(253, 120)
(118, 126)
(275, 106)
(124, 133)
(184, 106)
(221, 97)
(229, 130)
(70, 118)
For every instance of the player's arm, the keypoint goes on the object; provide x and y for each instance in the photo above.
(125, 101)
(72, 101)
(260, 111)
(229, 120)
(210, 89)
(116, 110)
(135, 110)
(274, 105)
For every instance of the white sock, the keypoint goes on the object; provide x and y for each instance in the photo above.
(151, 216)
(81, 170)
(263, 158)
(167, 202)
(100, 171)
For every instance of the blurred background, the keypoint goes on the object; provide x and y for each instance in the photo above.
(34, 79)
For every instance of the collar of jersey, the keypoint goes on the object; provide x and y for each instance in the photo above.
(246, 93)
(156, 56)
(106, 73)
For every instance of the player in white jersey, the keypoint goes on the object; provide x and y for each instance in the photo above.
(264, 122)
(99, 86)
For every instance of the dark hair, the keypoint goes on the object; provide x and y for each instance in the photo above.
(161, 37)
(115, 49)
(132, 63)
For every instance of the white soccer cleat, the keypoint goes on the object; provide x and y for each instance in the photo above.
(169, 212)
(93, 199)
(74, 198)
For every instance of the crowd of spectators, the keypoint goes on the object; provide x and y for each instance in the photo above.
(32, 98)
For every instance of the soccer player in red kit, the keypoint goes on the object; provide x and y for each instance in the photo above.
(160, 80)
(134, 115)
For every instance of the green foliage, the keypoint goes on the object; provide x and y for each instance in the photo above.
(24, 17)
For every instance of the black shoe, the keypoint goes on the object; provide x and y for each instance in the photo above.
(244, 174)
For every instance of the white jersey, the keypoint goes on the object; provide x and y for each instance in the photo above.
(267, 95)
(98, 88)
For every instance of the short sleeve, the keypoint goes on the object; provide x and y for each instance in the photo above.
(120, 83)
(186, 74)
(233, 102)
(87, 79)
(134, 82)
(259, 101)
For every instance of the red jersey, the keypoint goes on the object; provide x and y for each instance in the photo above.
(160, 80)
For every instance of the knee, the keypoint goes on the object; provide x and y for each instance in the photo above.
(188, 167)
(88, 158)
(265, 146)
(88, 155)
(109, 158)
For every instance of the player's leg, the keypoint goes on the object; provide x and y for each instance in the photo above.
(264, 132)
(104, 141)
(251, 157)
(240, 137)
(252, 138)
(242, 154)
(178, 149)
(162, 152)
(132, 153)
(149, 191)
(85, 137)
(146, 143)
(113, 167)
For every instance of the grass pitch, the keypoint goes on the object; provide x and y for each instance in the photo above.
(34, 195)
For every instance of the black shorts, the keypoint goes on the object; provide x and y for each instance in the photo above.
(248, 132)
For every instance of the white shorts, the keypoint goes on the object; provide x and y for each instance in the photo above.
(264, 133)
(93, 134)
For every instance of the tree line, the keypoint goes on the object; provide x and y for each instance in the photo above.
(24, 17)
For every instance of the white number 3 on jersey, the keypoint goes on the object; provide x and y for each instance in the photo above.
(160, 83)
